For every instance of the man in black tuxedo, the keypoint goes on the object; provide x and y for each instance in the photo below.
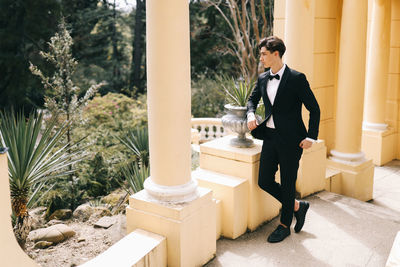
(283, 91)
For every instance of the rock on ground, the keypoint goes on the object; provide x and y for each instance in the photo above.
(55, 234)
(61, 214)
(43, 244)
(105, 222)
(38, 217)
(83, 212)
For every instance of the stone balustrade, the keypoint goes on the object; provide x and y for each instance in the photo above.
(209, 128)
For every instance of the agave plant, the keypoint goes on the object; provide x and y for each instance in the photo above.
(34, 159)
(136, 172)
(237, 91)
(135, 176)
(138, 142)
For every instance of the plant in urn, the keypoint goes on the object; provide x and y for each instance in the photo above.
(237, 94)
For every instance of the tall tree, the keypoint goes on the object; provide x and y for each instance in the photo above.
(208, 37)
(100, 45)
(248, 22)
(25, 26)
(63, 102)
(138, 64)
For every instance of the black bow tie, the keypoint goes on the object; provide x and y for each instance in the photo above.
(270, 77)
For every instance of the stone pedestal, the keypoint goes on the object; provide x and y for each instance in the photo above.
(228, 170)
(357, 179)
(233, 195)
(190, 227)
(380, 146)
(218, 156)
(312, 170)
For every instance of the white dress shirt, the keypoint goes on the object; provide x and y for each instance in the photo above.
(272, 89)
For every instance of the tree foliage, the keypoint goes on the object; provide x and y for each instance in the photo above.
(25, 27)
(249, 21)
(62, 95)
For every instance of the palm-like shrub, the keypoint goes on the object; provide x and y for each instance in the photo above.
(135, 176)
(138, 142)
(136, 172)
(33, 160)
(237, 91)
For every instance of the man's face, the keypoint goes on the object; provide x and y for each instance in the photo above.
(267, 58)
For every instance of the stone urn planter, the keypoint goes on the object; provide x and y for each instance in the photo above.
(236, 120)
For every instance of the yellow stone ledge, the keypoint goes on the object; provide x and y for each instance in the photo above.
(220, 147)
(139, 248)
(242, 163)
(312, 170)
(357, 180)
(233, 194)
(380, 146)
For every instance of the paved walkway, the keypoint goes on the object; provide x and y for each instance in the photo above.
(339, 231)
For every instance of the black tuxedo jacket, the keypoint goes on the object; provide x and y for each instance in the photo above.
(293, 91)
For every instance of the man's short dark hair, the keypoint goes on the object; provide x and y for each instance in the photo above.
(272, 44)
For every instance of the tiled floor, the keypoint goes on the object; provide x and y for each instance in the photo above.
(339, 231)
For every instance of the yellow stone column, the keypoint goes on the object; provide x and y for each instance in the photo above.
(11, 253)
(168, 96)
(299, 36)
(299, 41)
(172, 205)
(357, 172)
(377, 138)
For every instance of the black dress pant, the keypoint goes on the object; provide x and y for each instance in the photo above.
(275, 152)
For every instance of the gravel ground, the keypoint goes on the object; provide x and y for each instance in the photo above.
(87, 243)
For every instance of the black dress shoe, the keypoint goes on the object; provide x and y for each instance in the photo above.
(301, 215)
(279, 234)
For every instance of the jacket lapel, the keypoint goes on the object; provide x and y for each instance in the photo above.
(282, 84)
(267, 103)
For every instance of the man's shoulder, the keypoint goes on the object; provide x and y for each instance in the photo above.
(296, 75)
(294, 72)
(263, 74)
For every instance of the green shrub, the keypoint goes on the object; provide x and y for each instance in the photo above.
(108, 118)
(207, 98)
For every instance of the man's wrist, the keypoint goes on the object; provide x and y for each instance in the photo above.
(311, 140)
(251, 116)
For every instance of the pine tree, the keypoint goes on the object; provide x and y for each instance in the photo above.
(62, 99)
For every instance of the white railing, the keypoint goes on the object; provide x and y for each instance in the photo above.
(207, 129)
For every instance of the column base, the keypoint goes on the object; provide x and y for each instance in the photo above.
(242, 163)
(347, 158)
(380, 146)
(370, 126)
(190, 228)
(357, 180)
(171, 194)
(312, 169)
